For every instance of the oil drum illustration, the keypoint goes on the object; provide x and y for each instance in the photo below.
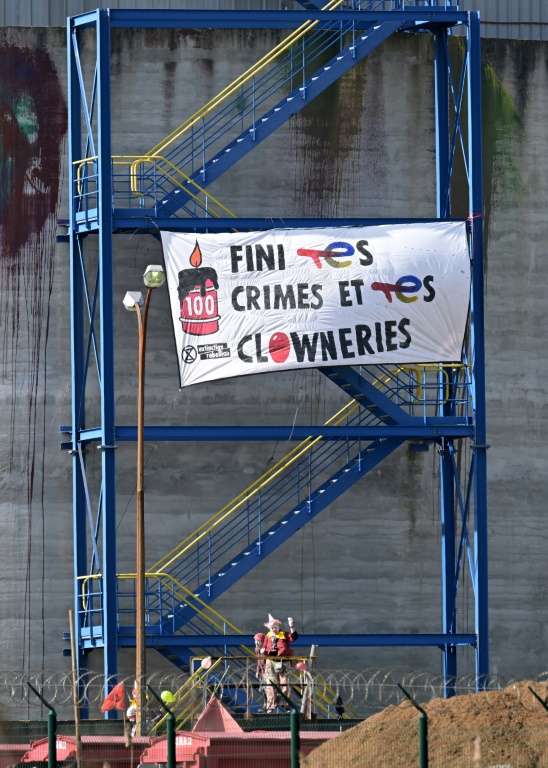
(199, 311)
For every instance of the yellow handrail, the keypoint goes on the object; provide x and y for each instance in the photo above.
(79, 165)
(243, 78)
(186, 593)
(441, 368)
(152, 159)
(187, 690)
(124, 160)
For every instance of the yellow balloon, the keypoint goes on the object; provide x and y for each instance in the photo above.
(167, 697)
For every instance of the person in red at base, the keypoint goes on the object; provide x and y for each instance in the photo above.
(276, 644)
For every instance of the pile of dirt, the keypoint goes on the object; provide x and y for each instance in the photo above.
(495, 729)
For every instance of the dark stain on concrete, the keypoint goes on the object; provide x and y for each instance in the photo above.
(326, 133)
(33, 124)
(502, 128)
(168, 86)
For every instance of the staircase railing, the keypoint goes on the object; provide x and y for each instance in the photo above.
(186, 705)
(236, 674)
(239, 108)
(246, 521)
(393, 5)
(163, 177)
(249, 519)
(164, 595)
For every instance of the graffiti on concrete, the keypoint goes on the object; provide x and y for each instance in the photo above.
(32, 128)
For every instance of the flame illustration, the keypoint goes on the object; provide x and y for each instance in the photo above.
(196, 256)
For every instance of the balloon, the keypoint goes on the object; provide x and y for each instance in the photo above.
(167, 697)
(206, 663)
(302, 666)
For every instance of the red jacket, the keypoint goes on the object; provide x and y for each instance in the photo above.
(278, 645)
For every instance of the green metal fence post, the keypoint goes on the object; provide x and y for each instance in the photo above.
(52, 729)
(295, 726)
(170, 729)
(544, 704)
(423, 730)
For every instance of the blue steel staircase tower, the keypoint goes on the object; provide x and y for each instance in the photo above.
(165, 188)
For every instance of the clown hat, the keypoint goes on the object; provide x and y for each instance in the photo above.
(271, 621)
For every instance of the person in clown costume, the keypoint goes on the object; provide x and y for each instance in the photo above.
(131, 714)
(276, 648)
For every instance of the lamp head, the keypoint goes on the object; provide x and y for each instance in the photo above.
(154, 276)
(132, 299)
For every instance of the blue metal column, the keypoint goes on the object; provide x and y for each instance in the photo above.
(441, 73)
(77, 353)
(108, 509)
(448, 566)
(478, 350)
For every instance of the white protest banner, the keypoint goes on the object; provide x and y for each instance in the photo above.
(269, 301)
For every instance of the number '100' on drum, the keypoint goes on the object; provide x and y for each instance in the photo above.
(199, 314)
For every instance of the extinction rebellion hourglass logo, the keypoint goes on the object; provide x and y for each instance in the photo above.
(198, 297)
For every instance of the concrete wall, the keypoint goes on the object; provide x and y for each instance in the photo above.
(371, 562)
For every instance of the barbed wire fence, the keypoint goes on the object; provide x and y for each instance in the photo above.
(364, 692)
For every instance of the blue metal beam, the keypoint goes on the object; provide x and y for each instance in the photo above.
(134, 220)
(264, 19)
(433, 429)
(148, 224)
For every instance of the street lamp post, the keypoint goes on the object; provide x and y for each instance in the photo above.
(154, 277)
